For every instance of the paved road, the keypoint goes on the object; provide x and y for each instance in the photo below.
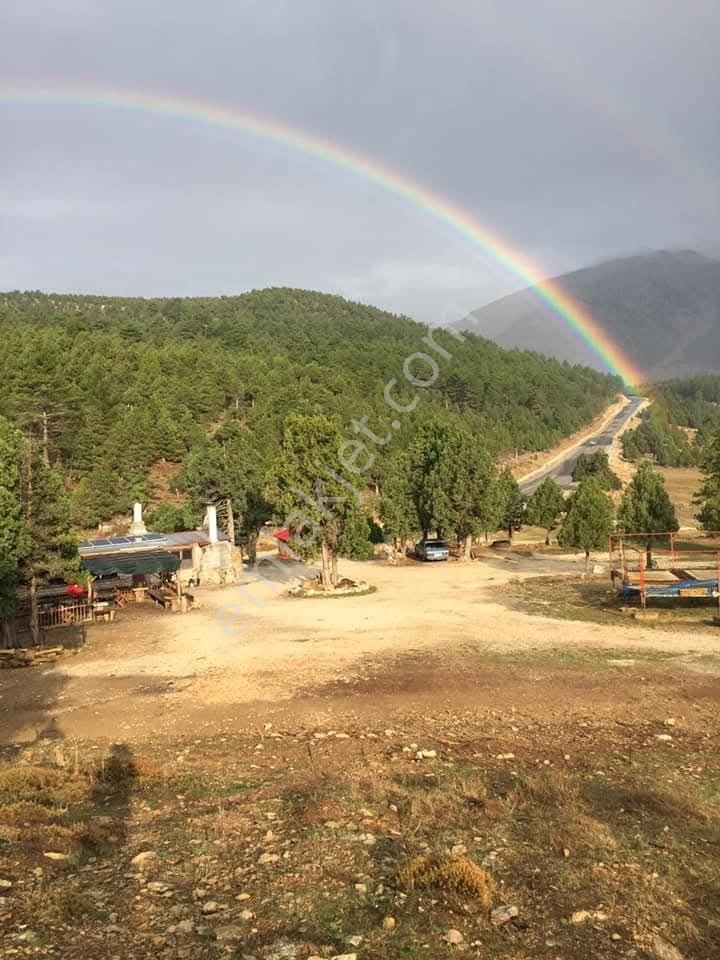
(561, 471)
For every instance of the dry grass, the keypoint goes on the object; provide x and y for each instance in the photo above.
(682, 484)
(66, 905)
(593, 600)
(550, 789)
(457, 875)
(549, 839)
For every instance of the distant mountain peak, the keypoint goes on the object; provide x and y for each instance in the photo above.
(662, 308)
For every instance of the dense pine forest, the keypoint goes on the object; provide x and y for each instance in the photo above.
(681, 421)
(110, 387)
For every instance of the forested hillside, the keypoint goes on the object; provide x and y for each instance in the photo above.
(110, 386)
(682, 419)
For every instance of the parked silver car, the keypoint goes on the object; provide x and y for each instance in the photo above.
(432, 550)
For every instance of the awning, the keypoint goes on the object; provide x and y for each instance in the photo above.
(134, 563)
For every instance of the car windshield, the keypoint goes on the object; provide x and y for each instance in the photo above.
(436, 543)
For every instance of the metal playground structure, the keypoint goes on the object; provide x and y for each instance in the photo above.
(666, 566)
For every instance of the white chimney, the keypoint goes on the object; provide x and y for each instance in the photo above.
(212, 523)
(137, 527)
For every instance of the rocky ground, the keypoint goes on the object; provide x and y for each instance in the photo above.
(460, 796)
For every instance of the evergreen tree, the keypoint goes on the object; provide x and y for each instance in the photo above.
(317, 503)
(427, 477)
(708, 498)
(169, 518)
(354, 541)
(589, 519)
(646, 507)
(468, 478)
(97, 497)
(13, 530)
(52, 547)
(545, 507)
(511, 503)
(229, 469)
(596, 465)
(397, 507)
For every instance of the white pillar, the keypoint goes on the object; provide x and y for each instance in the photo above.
(137, 527)
(212, 523)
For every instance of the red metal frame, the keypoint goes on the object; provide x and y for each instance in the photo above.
(700, 553)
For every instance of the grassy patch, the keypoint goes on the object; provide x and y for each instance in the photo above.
(594, 601)
(328, 852)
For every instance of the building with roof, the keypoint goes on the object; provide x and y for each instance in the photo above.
(195, 556)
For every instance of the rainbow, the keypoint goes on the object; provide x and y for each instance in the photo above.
(575, 316)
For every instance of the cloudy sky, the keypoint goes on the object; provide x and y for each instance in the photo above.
(575, 131)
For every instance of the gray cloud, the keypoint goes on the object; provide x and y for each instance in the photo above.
(574, 131)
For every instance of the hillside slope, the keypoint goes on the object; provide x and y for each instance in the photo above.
(662, 309)
(123, 383)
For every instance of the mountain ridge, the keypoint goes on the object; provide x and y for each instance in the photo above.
(662, 309)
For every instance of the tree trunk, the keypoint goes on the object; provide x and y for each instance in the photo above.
(230, 521)
(510, 531)
(325, 570)
(7, 633)
(587, 562)
(252, 546)
(45, 439)
(547, 539)
(333, 569)
(467, 552)
(34, 611)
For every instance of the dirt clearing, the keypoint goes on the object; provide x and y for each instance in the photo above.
(422, 772)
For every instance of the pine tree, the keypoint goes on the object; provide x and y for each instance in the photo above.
(545, 507)
(13, 530)
(511, 504)
(168, 518)
(397, 507)
(97, 497)
(646, 508)
(468, 477)
(231, 468)
(427, 477)
(708, 497)
(316, 501)
(589, 520)
(596, 465)
(354, 541)
(51, 546)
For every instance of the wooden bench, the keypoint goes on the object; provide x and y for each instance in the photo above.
(163, 599)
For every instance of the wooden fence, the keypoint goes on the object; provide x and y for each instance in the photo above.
(66, 615)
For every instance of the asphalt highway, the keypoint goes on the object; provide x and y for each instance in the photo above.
(561, 471)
